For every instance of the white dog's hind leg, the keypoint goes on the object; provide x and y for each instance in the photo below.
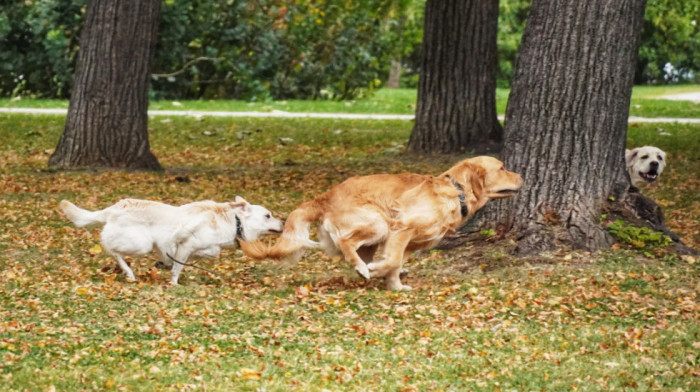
(124, 266)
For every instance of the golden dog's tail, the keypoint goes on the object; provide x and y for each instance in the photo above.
(81, 217)
(294, 238)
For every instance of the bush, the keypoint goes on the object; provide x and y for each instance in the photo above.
(219, 48)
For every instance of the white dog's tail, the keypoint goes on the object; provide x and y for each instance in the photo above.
(294, 238)
(81, 217)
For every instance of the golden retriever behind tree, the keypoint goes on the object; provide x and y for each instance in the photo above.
(396, 214)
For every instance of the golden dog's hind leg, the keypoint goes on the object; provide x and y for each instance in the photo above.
(390, 267)
(349, 249)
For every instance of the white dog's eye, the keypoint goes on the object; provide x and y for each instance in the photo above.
(645, 156)
(661, 158)
(268, 216)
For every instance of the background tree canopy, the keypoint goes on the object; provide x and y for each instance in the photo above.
(295, 49)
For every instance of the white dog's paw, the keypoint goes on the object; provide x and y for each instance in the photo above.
(373, 266)
(363, 271)
(131, 279)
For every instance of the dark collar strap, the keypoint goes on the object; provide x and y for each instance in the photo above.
(239, 229)
(462, 199)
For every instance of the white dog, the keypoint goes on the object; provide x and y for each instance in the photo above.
(645, 164)
(134, 227)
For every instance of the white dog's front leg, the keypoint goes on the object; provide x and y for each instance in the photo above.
(180, 258)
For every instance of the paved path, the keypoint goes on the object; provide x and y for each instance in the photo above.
(693, 97)
(281, 114)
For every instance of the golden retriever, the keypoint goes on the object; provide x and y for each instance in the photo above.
(395, 213)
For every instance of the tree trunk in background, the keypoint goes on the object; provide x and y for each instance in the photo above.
(456, 108)
(394, 80)
(107, 119)
(566, 122)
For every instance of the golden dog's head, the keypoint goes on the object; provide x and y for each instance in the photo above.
(486, 177)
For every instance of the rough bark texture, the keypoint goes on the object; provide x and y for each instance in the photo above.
(456, 108)
(107, 119)
(566, 122)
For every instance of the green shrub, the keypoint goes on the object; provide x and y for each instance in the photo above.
(648, 241)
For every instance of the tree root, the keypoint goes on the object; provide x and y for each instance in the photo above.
(542, 235)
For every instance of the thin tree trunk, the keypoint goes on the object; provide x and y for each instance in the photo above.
(566, 122)
(107, 119)
(394, 79)
(456, 108)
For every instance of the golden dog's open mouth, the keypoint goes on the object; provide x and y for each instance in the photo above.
(503, 193)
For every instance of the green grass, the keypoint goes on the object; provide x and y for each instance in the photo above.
(573, 321)
(646, 102)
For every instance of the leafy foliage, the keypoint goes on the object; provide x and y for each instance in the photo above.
(227, 49)
(272, 49)
(649, 241)
(671, 35)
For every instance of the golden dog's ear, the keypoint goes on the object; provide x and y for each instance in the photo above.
(470, 176)
(475, 177)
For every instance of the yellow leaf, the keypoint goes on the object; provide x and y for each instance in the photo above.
(250, 374)
(95, 250)
(82, 290)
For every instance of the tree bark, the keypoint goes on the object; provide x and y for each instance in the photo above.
(566, 121)
(107, 122)
(456, 108)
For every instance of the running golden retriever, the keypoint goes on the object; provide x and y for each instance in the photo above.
(394, 213)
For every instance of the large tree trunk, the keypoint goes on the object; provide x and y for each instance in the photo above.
(107, 119)
(456, 108)
(566, 122)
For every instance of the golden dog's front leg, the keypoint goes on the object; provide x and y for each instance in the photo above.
(390, 267)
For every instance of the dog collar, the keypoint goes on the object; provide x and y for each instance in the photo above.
(462, 199)
(239, 229)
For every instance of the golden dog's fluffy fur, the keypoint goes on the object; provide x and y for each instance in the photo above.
(394, 213)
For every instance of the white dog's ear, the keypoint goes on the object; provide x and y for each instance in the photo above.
(239, 199)
(630, 155)
(240, 203)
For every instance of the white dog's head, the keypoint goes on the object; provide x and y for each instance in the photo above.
(255, 220)
(645, 164)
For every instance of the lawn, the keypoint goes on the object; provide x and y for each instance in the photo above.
(477, 319)
(647, 101)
